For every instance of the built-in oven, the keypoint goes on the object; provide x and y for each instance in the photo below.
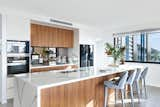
(16, 65)
(17, 57)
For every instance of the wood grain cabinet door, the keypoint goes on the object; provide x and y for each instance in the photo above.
(60, 37)
(53, 40)
(34, 40)
(46, 36)
(69, 40)
(37, 35)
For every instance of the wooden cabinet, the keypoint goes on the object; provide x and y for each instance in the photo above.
(34, 41)
(60, 37)
(46, 36)
(52, 36)
(68, 38)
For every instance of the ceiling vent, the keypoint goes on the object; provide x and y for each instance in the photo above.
(61, 22)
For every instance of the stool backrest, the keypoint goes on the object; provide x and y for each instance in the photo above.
(138, 74)
(144, 73)
(123, 80)
(131, 77)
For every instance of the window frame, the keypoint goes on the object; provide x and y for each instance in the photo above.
(148, 62)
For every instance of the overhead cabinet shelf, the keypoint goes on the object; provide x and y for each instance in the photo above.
(45, 36)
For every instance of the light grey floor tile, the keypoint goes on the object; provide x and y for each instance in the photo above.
(152, 101)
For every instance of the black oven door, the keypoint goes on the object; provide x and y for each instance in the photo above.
(18, 66)
(18, 69)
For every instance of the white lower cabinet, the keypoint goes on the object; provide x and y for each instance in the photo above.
(10, 87)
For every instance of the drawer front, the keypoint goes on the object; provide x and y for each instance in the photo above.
(10, 82)
(10, 93)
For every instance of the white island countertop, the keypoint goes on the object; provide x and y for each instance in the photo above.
(28, 86)
(54, 78)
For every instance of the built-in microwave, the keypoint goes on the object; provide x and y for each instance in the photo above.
(17, 47)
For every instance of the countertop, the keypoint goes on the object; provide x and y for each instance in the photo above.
(46, 66)
(52, 78)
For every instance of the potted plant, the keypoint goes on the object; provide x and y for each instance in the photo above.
(45, 53)
(115, 52)
(109, 49)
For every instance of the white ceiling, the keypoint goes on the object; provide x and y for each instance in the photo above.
(104, 14)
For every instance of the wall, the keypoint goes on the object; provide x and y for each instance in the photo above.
(75, 50)
(3, 60)
(18, 27)
(0, 58)
(101, 58)
(87, 35)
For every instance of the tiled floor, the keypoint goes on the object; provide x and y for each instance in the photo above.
(152, 101)
(9, 104)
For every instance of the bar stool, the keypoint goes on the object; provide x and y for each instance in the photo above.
(136, 81)
(130, 82)
(117, 85)
(143, 79)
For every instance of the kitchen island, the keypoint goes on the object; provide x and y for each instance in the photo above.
(75, 88)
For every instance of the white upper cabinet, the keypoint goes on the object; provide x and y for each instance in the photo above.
(18, 28)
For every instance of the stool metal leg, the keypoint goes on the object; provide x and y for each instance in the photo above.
(105, 96)
(122, 94)
(138, 90)
(115, 97)
(145, 88)
(131, 91)
(125, 93)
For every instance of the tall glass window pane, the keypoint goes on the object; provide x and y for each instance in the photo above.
(154, 47)
(137, 47)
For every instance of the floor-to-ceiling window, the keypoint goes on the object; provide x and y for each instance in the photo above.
(140, 46)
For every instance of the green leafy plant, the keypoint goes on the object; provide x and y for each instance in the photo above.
(115, 52)
(109, 49)
(45, 52)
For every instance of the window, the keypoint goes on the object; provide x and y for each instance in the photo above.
(140, 47)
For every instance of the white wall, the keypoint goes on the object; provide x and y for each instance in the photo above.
(3, 60)
(0, 58)
(18, 27)
(101, 58)
(75, 50)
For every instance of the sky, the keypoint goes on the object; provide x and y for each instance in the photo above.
(154, 40)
